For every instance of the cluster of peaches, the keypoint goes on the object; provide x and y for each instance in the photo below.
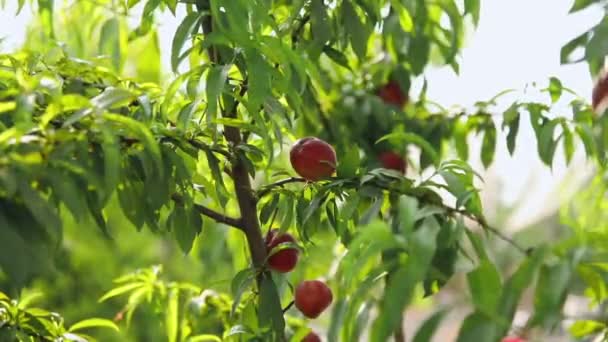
(314, 159)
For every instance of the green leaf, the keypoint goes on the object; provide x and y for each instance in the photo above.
(186, 225)
(46, 15)
(418, 53)
(111, 161)
(93, 323)
(427, 329)
(461, 130)
(270, 311)
(121, 290)
(546, 143)
(43, 212)
(204, 338)
(109, 42)
(477, 243)
(400, 288)
(586, 328)
(183, 32)
(477, 327)
(336, 56)
(408, 206)
(597, 47)
(184, 117)
(555, 89)
(586, 134)
(488, 146)
(514, 287)
(259, 79)
(320, 27)
(241, 282)
(349, 163)
(358, 33)
(450, 8)
(172, 315)
(473, 7)
(551, 291)
(171, 4)
(485, 287)
(269, 208)
(70, 194)
(511, 119)
(20, 258)
(216, 79)
(572, 46)
(113, 97)
(581, 4)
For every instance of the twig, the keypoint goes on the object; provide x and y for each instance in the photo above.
(295, 35)
(220, 218)
(482, 222)
(267, 188)
(288, 306)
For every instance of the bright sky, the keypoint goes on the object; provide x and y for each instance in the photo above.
(517, 42)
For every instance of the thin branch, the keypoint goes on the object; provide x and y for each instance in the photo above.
(288, 306)
(268, 188)
(220, 218)
(482, 222)
(295, 35)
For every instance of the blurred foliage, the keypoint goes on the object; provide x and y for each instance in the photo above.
(19, 321)
(95, 145)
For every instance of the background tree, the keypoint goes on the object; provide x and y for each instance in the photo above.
(99, 141)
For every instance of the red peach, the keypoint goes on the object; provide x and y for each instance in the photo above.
(313, 159)
(312, 298)
(391, 93)
(393, 161)
(513, 339)
(284, 260)
(311, 337)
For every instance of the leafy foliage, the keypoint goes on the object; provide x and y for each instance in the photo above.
(79, 134)
(19, 321)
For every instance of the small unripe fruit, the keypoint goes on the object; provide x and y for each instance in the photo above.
(313, 159)
(311, 337)
(284, 260)
(599, 98)
(391, 93)
(312, 298)
(393, 161)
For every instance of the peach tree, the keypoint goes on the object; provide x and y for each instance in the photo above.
(287, 122)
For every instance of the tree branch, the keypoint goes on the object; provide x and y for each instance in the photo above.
(220, 218)
(242, 185)
(268, 188)
(484, 224)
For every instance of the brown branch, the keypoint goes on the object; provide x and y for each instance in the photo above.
(220, 218)
(242, 184)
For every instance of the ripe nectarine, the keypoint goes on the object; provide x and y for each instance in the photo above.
(393, 161)
(391, 93)
(313, 158)
(312, 298)
(284, 260)
(311, 337)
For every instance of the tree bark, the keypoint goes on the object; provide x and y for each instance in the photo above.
(245, 194)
